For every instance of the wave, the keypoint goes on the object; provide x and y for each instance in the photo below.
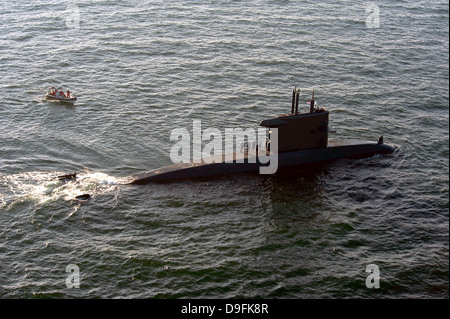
(39, 188)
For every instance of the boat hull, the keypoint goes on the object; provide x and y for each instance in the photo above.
(334, 151)
(66, 100)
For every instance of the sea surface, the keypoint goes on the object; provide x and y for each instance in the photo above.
(141, 69)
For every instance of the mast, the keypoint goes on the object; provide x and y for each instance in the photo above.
(293, 99)
(296, 102)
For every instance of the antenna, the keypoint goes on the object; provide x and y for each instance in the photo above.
(293, 99)
(311, 109)
(296, 102)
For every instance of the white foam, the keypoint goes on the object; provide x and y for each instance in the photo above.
(43, 187)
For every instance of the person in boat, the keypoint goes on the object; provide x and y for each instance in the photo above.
(68, 93)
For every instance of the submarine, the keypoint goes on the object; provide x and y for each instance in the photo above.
(294, 139)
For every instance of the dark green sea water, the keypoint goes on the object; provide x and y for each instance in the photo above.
(141, 69)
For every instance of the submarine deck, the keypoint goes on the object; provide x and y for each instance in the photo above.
(247, 162)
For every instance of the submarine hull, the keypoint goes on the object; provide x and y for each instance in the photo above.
(336, 149)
